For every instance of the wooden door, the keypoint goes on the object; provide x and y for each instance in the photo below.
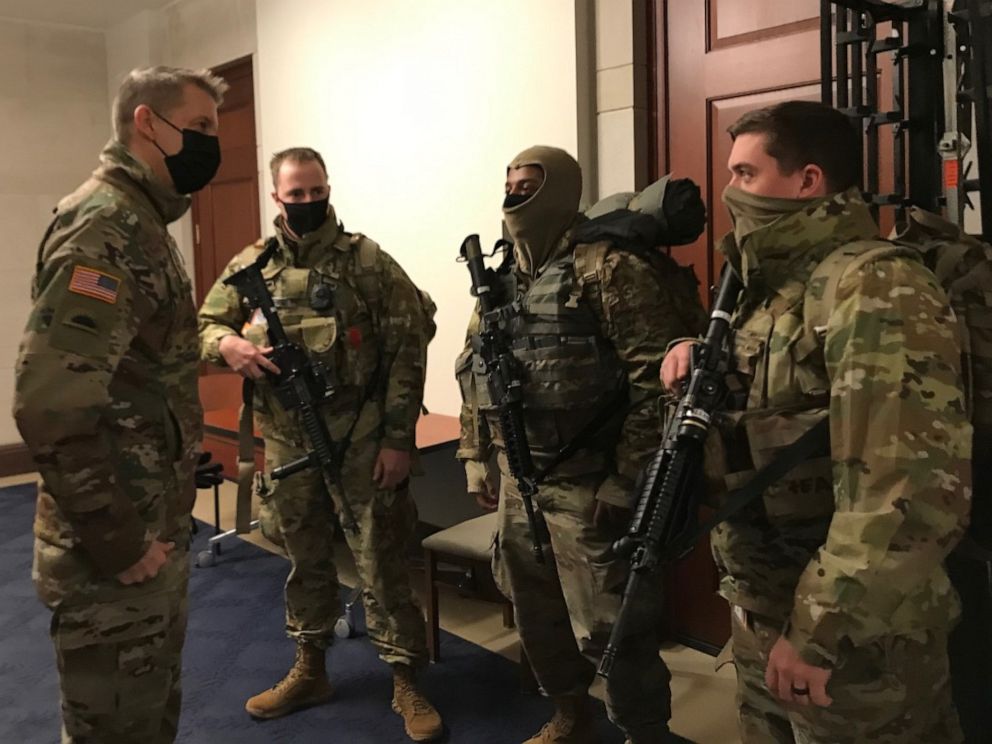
(724, 57)
(226, 213)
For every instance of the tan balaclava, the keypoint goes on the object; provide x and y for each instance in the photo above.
(537, 225)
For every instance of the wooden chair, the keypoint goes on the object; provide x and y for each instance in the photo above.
(468, 544)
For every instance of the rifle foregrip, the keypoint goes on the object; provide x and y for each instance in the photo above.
(521, 467)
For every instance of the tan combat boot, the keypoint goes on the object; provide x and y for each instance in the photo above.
(304, 685)
(420, 718)
(572, 723)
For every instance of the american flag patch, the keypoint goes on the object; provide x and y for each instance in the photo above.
(93, 283)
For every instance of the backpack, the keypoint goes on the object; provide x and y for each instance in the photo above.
(963, 267)
(368, 284)
(639, 234)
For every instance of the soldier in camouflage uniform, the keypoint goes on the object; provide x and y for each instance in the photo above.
(591, 319)
(107, 402)
(841, 606)
(355, 310)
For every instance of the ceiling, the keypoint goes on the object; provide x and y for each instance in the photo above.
(94, 14)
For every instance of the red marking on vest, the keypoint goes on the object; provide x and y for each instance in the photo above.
(355, 337)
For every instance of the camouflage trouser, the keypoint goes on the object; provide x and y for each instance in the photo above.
(566, 607)
(386, 520)
(895, 691)
(124, 688)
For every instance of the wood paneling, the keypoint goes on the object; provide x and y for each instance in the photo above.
(227, 230)
(226, 212)
(738, 22)
(697, 76)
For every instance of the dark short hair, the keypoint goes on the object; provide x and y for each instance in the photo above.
(297, 155)
(800, 133)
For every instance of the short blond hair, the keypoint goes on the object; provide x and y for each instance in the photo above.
(161, 89)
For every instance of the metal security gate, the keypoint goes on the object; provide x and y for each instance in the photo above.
(940, 56)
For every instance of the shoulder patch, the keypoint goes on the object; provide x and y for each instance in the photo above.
(96, 284)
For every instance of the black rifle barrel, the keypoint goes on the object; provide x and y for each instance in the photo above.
(667, 501)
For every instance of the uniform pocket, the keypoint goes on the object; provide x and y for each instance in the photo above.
(319, 334)
(464, 376)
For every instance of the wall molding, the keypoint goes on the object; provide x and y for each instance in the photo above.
(15, 459)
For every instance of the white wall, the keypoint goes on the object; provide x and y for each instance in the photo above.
(54, 120)
(417, 107)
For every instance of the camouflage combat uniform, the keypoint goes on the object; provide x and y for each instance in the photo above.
(590, 331)
(844, 555)
(366, 331)
(107, 402)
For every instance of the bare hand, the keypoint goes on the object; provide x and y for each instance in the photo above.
(786, 672)
(148, 565)
(675, 367)
(607, 515)
(482, 484)
(392, 467)
(245, 358)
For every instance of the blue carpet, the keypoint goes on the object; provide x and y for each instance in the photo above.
(235, 647)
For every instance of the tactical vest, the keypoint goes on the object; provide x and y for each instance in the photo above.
(332, 310)
(779, 390)
(569, 369)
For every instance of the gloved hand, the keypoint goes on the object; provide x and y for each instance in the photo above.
(482, 484)
(208, 474)
(683, 211)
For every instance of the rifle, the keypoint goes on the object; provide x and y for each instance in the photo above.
(503, 378)
(302, 384)
(666, 506)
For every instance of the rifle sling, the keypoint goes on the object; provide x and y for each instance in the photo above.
(246, 458)
(811, 442)
(592, 427)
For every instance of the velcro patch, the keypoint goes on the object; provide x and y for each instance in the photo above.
(95, 284)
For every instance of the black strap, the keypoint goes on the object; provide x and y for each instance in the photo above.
(589, 430)
(246, 458)
(810, 443)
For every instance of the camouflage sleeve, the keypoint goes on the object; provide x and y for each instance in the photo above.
(76, 335)
(900, 442)
(474, 441)
(404, 356)
(639, 320)
(222, 314)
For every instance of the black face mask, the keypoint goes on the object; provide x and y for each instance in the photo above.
(305, 217)
(196, 163)
(515, 200)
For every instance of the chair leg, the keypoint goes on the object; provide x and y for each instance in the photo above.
(433, 619)
(217, 510)
(508, 619)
